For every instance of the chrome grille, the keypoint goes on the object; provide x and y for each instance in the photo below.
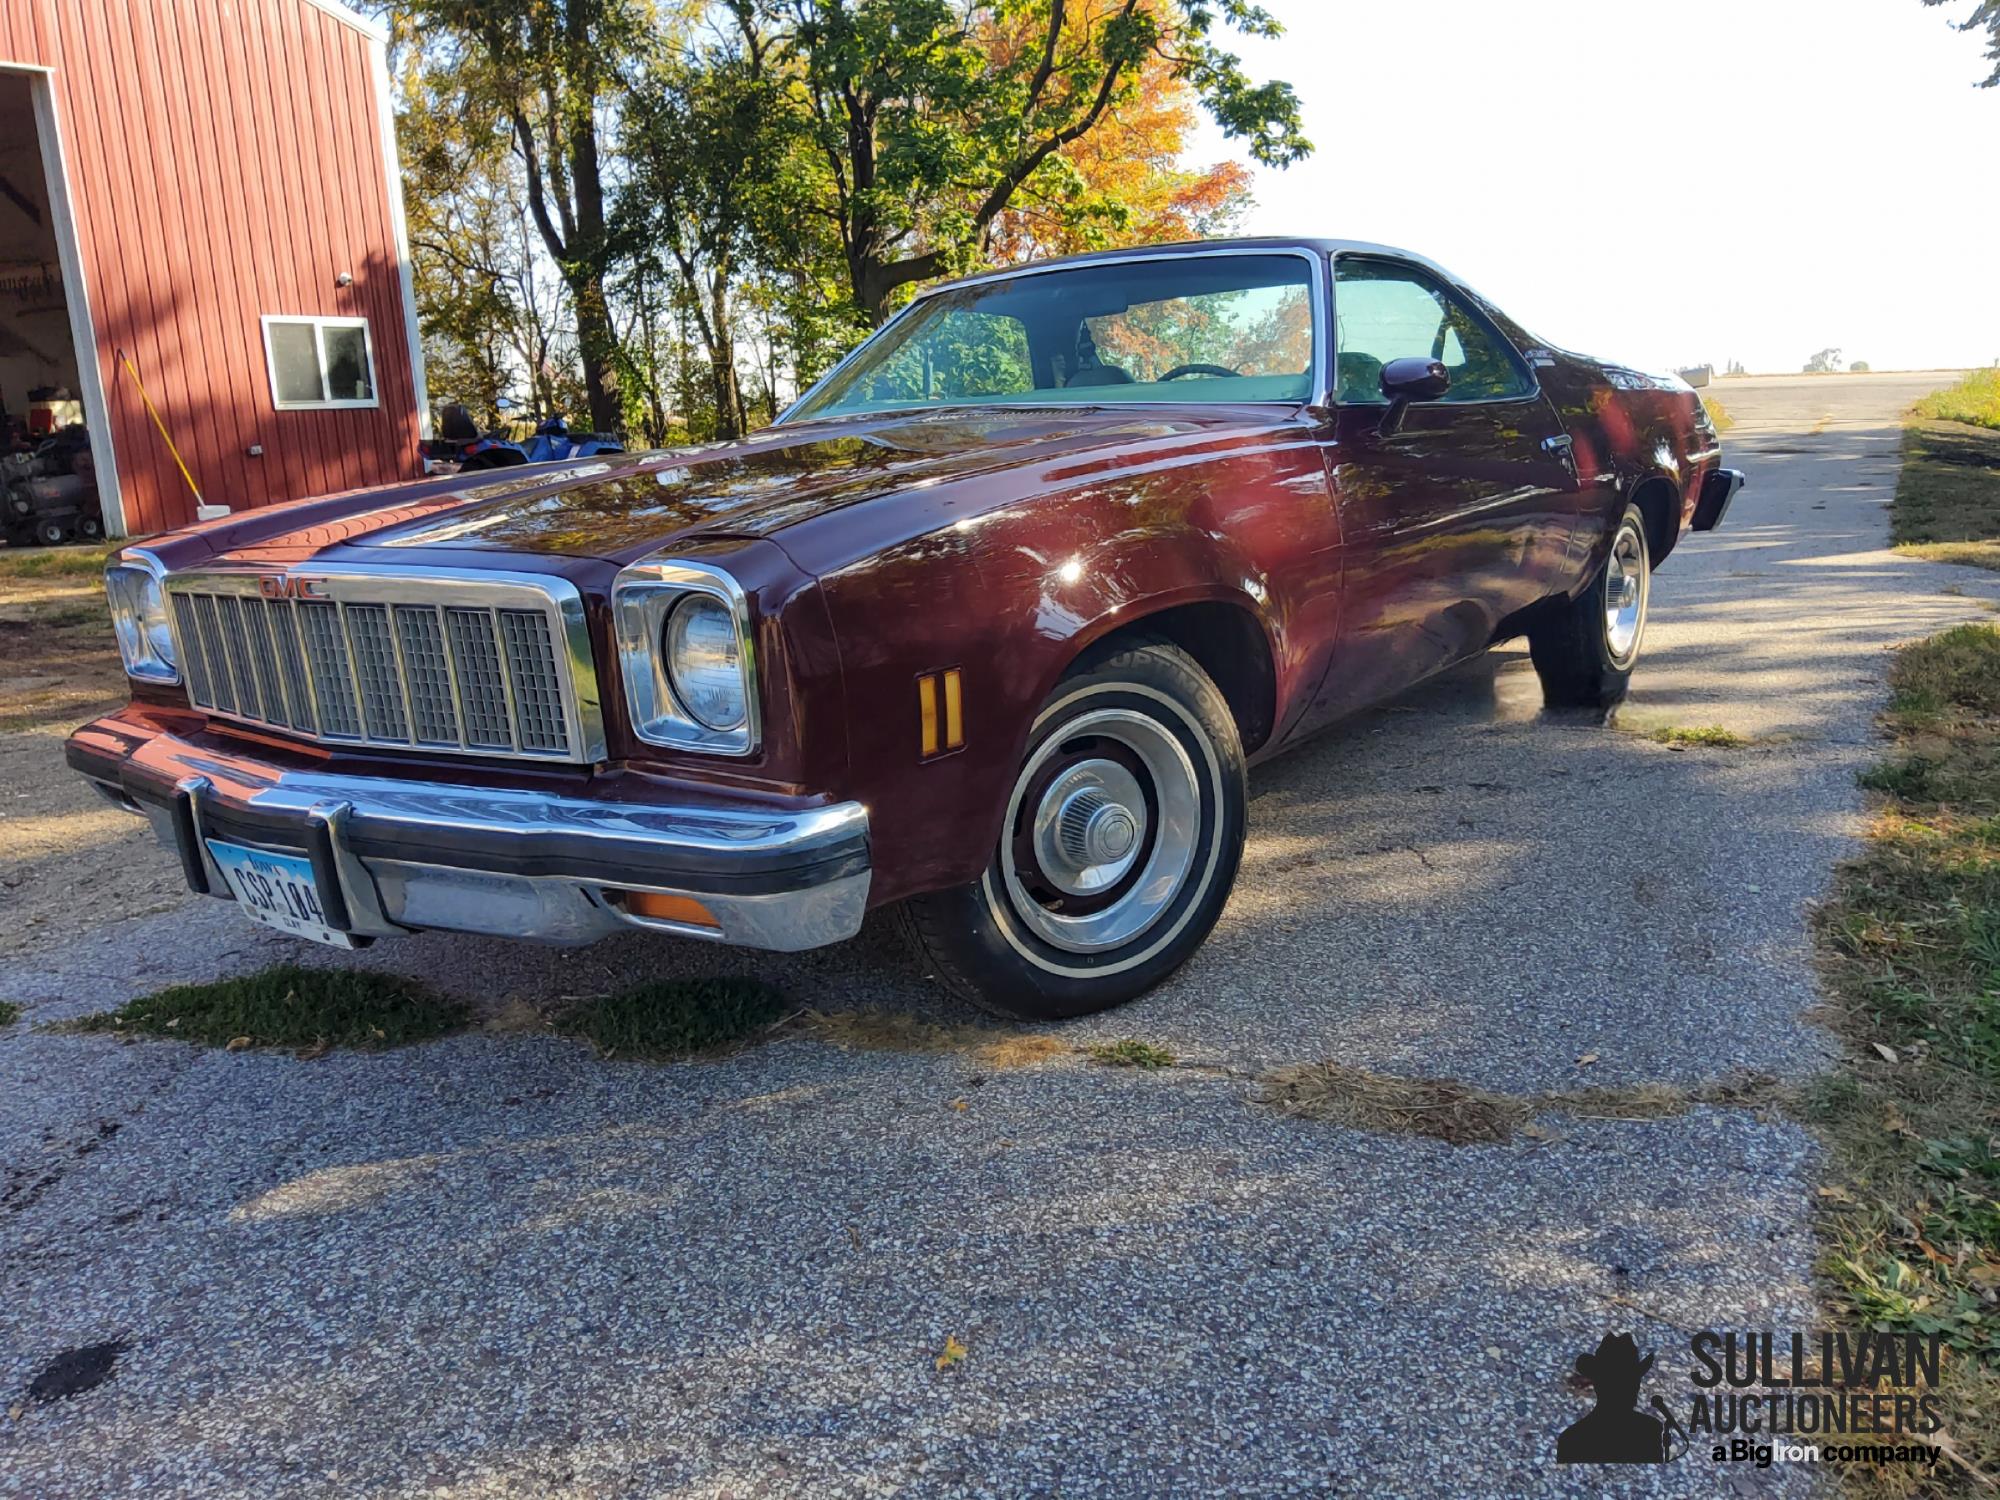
(478, 665)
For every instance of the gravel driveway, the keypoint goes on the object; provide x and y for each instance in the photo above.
(500, 1266)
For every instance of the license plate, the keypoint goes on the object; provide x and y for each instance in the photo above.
(277, 890)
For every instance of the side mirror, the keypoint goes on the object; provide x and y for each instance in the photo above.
(1408, 380)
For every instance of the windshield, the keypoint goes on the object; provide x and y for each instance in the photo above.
(1180, 328)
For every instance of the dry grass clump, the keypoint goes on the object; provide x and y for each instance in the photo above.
(877, 1030)
(1464, 1114)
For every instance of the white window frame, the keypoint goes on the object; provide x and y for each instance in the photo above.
(319, 327)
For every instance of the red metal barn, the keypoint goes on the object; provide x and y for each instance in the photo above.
(209, 190)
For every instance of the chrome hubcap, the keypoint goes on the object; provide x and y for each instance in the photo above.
(1625, 588)
(1088, 826)
(1103, 830)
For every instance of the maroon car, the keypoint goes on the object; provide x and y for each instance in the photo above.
(986, 626)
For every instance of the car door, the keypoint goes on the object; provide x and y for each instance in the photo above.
(1455, 517)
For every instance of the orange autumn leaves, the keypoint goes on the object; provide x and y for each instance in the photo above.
(1124, 182)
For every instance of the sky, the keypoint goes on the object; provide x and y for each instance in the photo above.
(1665, 184)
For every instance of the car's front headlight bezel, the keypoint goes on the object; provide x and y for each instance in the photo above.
(136, 588)
(643, 598)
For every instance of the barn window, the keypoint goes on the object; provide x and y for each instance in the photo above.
(320, 363)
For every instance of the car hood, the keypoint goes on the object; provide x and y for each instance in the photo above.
(620, 506)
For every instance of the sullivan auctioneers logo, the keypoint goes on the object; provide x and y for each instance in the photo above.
(1765, 1398)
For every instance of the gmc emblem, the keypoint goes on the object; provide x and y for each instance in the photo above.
(284, 586)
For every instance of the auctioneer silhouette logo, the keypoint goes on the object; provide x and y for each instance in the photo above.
(1760, 1397)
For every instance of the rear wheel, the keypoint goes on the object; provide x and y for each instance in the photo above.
(1585, 651)
(1122, 836)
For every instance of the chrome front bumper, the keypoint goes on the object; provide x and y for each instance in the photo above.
(392, 856)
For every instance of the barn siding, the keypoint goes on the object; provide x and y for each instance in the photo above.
(225, 163)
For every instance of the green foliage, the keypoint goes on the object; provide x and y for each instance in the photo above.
(676, 1018)
(1984, 16)
(1130, 1052)
(288, 1006)
(10, 1012)
(730, 194)
(1975, 400)
(84, 560)
(1911, 943)
(1947, 506)
(1705, 736)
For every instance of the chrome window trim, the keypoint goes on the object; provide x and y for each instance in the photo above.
(559, 601)
(138, 557)
(1322, 315)
(1465, 295)
(641, 597)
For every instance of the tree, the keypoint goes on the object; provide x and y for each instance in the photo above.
(488, 305)
(1826, 362)
(711, 132)
(928, 134)
(543, 70)
(1985, 17)
(1124, 184)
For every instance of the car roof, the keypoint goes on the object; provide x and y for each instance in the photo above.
(1316, 246)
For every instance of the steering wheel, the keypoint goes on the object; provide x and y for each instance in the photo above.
(1179, 370)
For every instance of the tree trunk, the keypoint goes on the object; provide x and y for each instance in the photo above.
(729, 415)
(597, 350)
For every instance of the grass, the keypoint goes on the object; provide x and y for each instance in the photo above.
(82, 561)
(1130, 1052)
(9, 1013)
(1910, 945)
(1975, 400)
(288, 1006)
(1706, 736)
(875, 1030)
(676, 1018)
(1947, 506)
(1463, 1114)
(1718, 413)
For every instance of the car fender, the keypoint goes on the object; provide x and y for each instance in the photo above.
(1008, 601)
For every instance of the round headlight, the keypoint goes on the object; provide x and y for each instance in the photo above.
(705, 662)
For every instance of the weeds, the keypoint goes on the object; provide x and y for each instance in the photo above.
(9, 1013)
(1975, 400)
(675, 1018)
(287, 1006)
(1705, 736)
(892, 1031)
(1947, 506)
(84, 561)
(1463, 1114)
(1910, 945)
(1130, 1053)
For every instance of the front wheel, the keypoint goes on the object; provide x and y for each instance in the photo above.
(1585, 651)
(1123, 831)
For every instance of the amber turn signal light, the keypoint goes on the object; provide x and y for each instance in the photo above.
(661, 907)
(940, 712)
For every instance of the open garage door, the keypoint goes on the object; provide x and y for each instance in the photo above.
(56, 473)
